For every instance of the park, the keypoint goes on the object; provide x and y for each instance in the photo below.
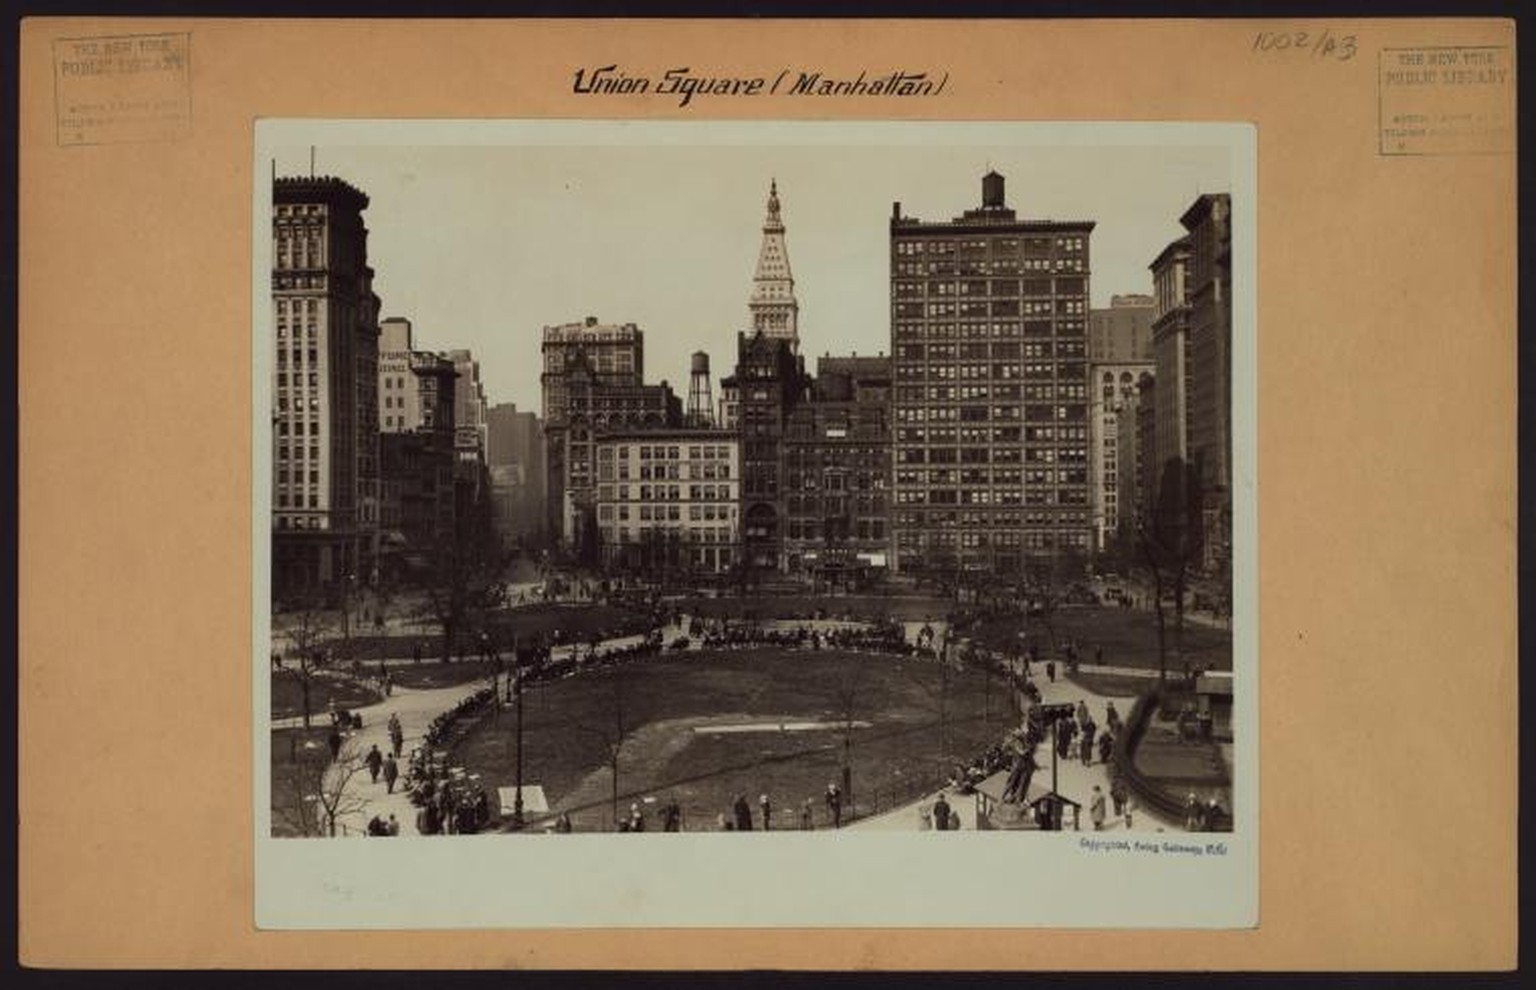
(581, 705)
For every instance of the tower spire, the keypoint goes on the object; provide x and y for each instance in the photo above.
(774, 309)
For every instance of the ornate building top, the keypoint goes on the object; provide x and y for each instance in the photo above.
(775, 311)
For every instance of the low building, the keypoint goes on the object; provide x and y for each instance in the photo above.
(668, 500)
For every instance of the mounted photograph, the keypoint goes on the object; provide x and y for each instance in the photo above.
(828, 484)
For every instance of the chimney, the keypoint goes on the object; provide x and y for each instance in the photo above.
(896, 210)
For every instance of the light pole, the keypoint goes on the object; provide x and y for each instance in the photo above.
(517, 800)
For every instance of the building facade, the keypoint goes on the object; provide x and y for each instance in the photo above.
(325, 495)
(1210, 368)
(1114, 385)
(768, 384)
(1123, 332)
(469, 408)
(668, 500)
(608, 354)
(837, 473)
(515, 450)
(417, 391)
(774, 311)
(989, 337)
(1170, 348)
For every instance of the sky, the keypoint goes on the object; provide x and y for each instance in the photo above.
(481, 246)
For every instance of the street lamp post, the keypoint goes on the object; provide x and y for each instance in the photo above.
(517, 800)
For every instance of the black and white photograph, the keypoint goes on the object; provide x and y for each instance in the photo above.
(828, 483)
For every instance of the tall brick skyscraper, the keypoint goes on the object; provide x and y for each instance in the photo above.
(325, 507)
(989, 342)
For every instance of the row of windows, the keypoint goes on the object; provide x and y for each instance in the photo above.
(666, 513)
(665, 493)
(699, 534)
(298, 501)
(1000, 518)
(914, 543)
(1032, 413)
(302, 522)
(996, 288)
(999, 245)
(985, 496)
(919, 330)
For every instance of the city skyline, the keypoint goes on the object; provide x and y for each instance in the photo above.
(482, 247)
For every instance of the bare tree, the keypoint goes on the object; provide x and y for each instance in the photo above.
(847, 694)
(305, 659)
(1171, 540)
(318, 789)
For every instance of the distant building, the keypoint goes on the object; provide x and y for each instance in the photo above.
(989, 333)
(594, 408)
(468, 408)
(1114, 385)
(515, 450)
(768, 384)
(325, 477)
(774, 310)
(668, 500)
(606, 354)
(1123, 332)
(416, 448)
(837, 472)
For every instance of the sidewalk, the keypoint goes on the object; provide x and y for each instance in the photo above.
(1073, 779)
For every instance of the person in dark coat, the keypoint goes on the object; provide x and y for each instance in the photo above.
(391, 773)
(1118, 794)
(1106, 747)
(1050, 670)
(941, 814)
(743, 813)
(375, 761)
(334, 740)
(1089, 731)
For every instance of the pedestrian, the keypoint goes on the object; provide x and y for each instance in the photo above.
(766, 811)
(941, 814)
(807, 816)
(394, 826)
(396, 734)
(1112, 718)
(1083, 718)
(375, 761)
(636, 819)
(1214, 817)
(1128, 807)
(1089, 731)
(1118, 795)
(1193, 815)
(835, 805)
(743, 812)
(389, 684)
(562, 824)
(334, 740)
(391, 772)
(672, 816)
(1096, 809)
(1106, 747)
(1050, 670)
